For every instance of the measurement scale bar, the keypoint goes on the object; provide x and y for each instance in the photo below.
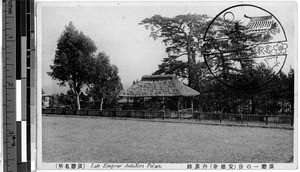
(18, 52)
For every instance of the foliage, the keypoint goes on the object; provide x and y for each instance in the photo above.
(66, 100)
(105, 84)
(135, 82)
(229, 51)
(76, 65)
(277, 97)
(73, 60)
(182, 36)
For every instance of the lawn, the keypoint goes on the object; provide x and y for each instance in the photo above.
(76, 139)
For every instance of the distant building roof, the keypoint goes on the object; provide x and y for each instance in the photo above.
(159, 86)
(46, 95)
(260, 23)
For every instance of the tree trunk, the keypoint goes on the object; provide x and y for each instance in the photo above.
(224, 66)
(101, 104)
(78, 100)
(191, 71)
(190, 64)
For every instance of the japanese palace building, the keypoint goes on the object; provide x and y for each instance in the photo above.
(160, 86)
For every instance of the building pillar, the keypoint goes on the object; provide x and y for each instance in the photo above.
(178, 104)
(192, 104)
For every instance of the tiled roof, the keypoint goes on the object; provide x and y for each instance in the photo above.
(260, 23)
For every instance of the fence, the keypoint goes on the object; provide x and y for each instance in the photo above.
(177, 115)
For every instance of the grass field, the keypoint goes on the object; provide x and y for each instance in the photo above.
(75, 139)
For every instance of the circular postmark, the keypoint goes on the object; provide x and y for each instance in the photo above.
(245, 47)
(228, 16)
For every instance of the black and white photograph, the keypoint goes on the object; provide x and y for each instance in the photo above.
(167, 85)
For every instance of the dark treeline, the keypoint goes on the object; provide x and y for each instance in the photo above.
(276, 97)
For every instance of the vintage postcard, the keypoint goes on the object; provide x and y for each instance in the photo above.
(162, 85)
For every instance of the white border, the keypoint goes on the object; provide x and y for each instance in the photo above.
(39, 88)
(167, 166)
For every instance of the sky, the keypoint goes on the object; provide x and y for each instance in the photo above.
(115, 29)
